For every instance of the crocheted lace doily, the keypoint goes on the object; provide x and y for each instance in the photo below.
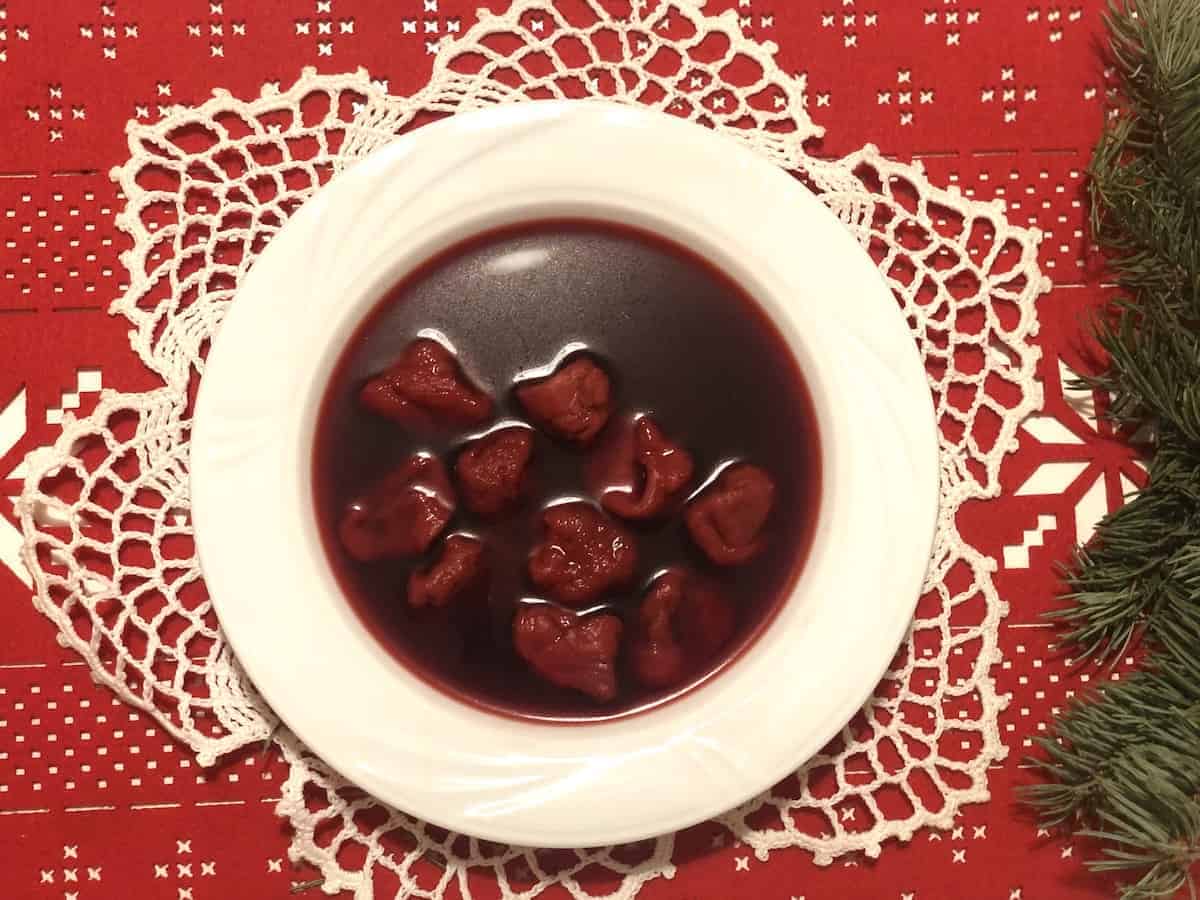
(105, 509)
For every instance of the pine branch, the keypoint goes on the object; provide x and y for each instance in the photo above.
(1123, 765)
(1144, 568)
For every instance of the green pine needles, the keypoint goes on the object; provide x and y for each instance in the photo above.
(1124, 768)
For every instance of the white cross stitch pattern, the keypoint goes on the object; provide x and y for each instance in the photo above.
(105, 518)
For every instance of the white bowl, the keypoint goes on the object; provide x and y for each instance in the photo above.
(525, 782)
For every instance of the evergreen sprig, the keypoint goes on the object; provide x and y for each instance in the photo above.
(1123, 765)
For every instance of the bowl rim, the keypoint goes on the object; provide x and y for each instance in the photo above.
(636, 774)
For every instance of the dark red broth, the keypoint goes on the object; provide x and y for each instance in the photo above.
(679, 340)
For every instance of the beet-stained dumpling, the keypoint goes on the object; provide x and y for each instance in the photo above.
(426, 385)
(572, 404)
(727, 520)
(491, 470)
(682, 624)
(651, 470)
(459, 572)
(583, 554)
(400, 515)
(569, 650)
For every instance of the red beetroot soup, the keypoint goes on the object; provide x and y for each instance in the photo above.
(677, 342)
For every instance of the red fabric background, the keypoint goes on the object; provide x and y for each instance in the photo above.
(95, 801)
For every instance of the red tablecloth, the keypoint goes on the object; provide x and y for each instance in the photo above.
(1001, 98)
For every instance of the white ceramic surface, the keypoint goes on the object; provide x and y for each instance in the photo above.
(524, 782)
